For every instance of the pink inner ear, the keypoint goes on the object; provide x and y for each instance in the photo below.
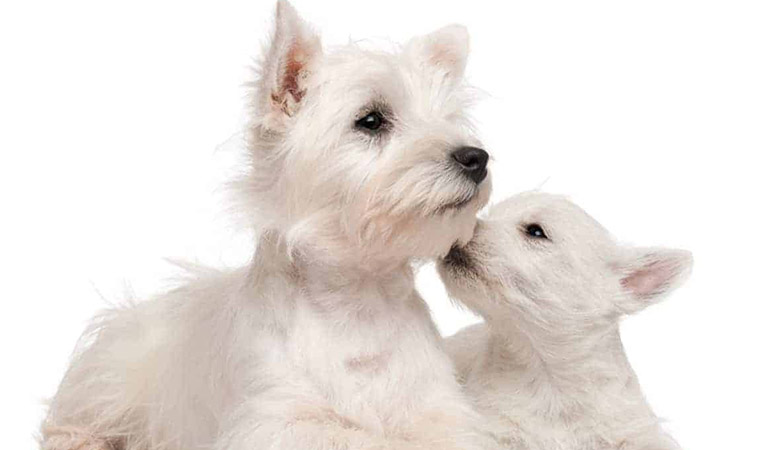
(445, 54)
(294, 65)
(650, 279)
(446, 48)
(291, 70)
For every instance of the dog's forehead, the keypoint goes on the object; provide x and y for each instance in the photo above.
(550, 211)
(355, 72)
(530, 205)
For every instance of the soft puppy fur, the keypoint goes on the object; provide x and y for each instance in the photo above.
(547, 366)
(361, 162)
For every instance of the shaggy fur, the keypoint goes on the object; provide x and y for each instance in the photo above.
(321, 343)
(548, 367)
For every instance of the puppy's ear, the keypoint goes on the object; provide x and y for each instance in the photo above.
(445, 49)
(290, 58)
(646, 275)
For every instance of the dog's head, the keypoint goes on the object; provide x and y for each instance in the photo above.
(365, 153)
(540, 261)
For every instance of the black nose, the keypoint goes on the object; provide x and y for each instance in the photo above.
(472, 161)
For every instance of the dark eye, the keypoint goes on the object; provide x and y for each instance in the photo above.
(535, 231)
(373, 121)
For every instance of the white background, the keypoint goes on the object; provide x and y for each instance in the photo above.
(118, 124)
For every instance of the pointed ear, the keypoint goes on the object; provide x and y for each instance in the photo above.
(445, 49)
(647, 275)
(294, 49)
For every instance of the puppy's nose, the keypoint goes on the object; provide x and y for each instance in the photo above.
(472, 161)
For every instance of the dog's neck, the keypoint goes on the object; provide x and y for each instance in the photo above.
(583, 396)
(582, 388)
(322, 275)
(574, 370)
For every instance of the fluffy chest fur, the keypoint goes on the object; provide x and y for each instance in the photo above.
(369, 354)
(352, 354)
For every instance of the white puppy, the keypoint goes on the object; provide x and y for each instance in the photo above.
(548, 365)
(361, 161)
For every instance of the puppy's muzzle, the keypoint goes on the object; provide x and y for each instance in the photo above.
(457, 258)
(472, 162)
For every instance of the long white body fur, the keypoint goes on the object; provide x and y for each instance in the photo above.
(321, 343)
(261, 358)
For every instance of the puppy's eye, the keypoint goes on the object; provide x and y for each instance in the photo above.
(535, 231)
(373, 121)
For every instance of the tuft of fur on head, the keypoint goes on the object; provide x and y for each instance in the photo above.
(542, 261)
(334, 188)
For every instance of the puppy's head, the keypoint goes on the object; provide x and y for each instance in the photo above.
(365, 153)
(542, 261)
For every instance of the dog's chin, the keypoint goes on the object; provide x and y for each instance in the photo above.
(456, 272)
(456, 256)
(456, 204)
(457, 262)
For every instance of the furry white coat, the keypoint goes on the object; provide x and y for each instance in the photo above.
(547, 367)
(321, 343)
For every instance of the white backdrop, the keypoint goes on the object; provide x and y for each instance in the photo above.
(118, 124)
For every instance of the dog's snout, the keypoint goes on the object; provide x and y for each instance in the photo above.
(472, 161)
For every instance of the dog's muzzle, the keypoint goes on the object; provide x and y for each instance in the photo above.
(457, 257)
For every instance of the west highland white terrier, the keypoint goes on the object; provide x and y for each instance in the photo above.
(547, 366)
(361, 162)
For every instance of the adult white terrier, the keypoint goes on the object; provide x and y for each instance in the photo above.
(361, 162)
(547, 366)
